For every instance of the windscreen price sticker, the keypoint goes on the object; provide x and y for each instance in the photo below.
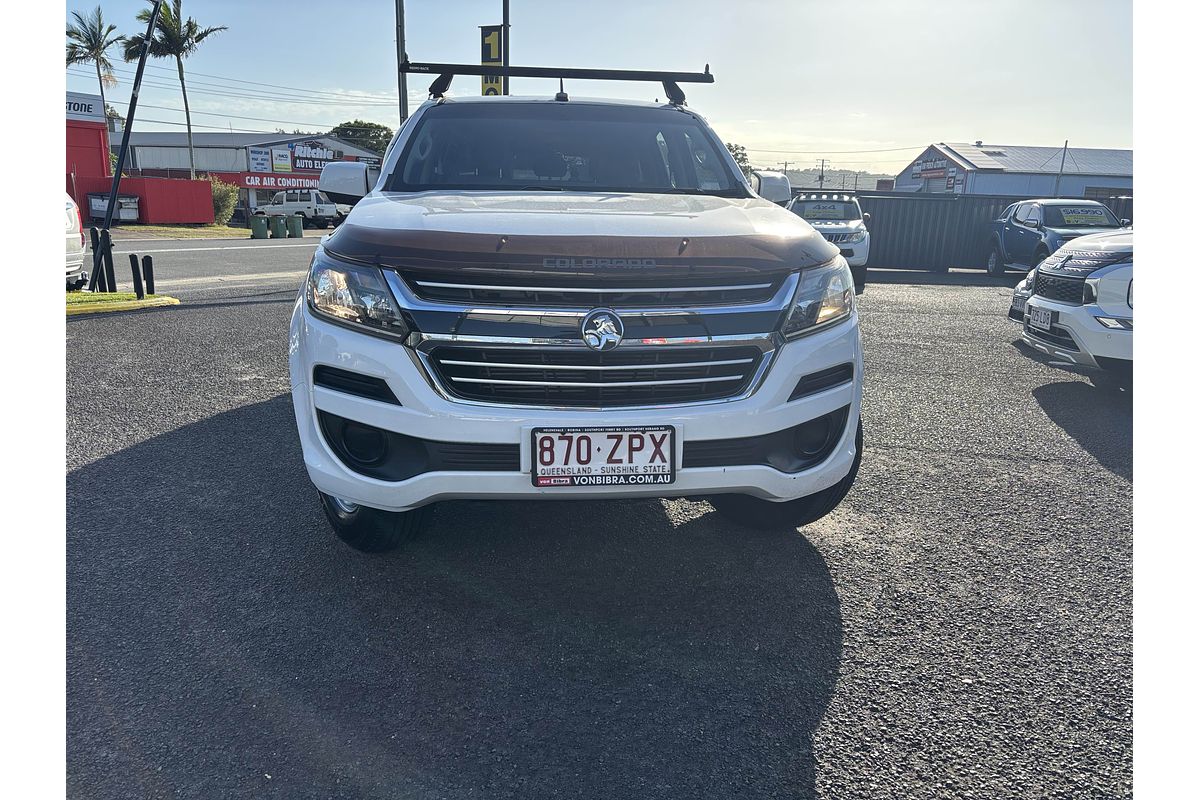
(628, 456)
(1084, 216)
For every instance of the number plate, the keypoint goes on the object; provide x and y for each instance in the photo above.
(629, 456)
(1018, 304)
(1040, 318)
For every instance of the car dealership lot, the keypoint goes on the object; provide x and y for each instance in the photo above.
(961, 623)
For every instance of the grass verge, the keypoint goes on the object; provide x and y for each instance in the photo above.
(178, 232)
(93, 302)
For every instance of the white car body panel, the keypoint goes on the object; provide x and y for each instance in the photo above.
(76, 243)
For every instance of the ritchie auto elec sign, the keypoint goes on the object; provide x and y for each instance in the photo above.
(310, 156)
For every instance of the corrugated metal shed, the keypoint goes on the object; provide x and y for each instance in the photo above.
(1023, 158)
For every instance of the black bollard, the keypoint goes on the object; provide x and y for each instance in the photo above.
(148, 273)
(110, 275)
(137, 277)
(97, 280)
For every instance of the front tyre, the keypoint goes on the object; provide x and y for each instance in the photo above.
(752, 512)
(995, 262)
(370, 530)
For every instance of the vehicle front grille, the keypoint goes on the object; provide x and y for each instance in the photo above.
(581, 296)
(1060, 289)
(837, 238)
(1057, 336)
(577, 377)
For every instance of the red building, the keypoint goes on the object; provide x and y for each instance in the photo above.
(160, 200)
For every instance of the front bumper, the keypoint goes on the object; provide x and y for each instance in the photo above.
(1075, 335)
(426, 414)
(856, 254)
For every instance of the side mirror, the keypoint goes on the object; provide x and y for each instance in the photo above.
(1032, 223)
(1125, 223)
(866, 217)
(345, 181)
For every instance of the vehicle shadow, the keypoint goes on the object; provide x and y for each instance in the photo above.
(221, 641)
(1099, 419)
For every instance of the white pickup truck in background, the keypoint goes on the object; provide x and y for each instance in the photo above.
(315, 206)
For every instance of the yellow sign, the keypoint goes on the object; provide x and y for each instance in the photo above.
(491, 52)
(1083, 216)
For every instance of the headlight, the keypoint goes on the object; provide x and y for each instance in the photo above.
(824, 296)
(354, 294)
(857, 237)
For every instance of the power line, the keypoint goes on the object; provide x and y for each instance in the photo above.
(232, 93)
(837, 152)
(254, 83)
(324, 125)
(308, 91)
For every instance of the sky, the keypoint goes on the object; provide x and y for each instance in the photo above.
(864, 83)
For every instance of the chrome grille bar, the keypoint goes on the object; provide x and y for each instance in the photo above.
(625, 367)
(580, 290)
(606, 385)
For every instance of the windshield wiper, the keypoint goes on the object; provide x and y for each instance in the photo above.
(542, 188)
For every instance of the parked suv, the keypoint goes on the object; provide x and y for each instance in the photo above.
(316, 207)
(1029, 231)
(565, 299)
(1080, 308)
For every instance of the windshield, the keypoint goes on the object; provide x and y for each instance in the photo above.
(562, 146)
(829, 210)
(1088, 216)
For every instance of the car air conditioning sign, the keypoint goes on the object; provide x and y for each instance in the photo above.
(1084, 215)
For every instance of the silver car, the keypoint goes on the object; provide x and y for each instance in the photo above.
(1021, 294)
(76, 246)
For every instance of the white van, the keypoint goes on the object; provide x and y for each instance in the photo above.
(315, 206)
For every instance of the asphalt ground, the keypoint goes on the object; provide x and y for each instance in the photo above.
(959, 627)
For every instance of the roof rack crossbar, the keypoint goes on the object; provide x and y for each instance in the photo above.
(446, 73)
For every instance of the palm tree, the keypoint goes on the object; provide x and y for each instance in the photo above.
(173, 37)
(88, 40)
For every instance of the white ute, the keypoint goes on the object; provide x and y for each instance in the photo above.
(1080, 307)
(840, 219)
(547, 299)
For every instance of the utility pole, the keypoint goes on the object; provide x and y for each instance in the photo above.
(102, 255)
(821, 175)
(401, 77)
(504, 44)
(1061, 165)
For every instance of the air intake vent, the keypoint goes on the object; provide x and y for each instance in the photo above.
(341, 380)
(820, 381)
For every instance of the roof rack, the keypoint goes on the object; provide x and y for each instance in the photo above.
(446, 73)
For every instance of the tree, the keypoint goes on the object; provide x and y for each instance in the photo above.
(740, 157)
(177, 38)
(367, 135)
(114, 117)
(88, 40)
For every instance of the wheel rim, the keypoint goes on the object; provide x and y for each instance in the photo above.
(345, 506)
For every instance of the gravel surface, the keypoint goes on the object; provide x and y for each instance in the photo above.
(959, 627)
